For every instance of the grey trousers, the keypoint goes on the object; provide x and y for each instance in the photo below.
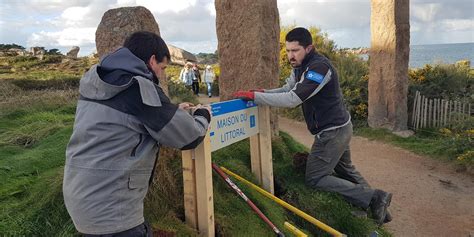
(329, 167)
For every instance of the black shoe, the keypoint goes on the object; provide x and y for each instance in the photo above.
(388, 217)
(379, 204)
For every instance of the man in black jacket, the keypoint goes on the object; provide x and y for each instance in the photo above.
(314, 85)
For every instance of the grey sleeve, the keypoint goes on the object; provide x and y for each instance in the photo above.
(183, 130)
(284, 99)
(311, 82)
(290, 83)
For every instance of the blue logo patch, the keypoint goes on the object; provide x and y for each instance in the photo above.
(314, 76)
(252, 121)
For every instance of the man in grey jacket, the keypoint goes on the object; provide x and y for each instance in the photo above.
(314, 85)
(122, 119)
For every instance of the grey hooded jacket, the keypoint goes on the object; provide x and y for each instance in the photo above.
(122, 119)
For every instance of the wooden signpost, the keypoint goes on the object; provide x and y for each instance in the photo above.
(232, 121)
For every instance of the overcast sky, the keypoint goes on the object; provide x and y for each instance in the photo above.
(190, 24)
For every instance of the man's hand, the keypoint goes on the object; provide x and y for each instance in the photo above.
(185, 105)
(244, 95)
(257, 90)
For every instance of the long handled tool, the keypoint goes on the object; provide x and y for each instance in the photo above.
(249, 202)
(287, 206)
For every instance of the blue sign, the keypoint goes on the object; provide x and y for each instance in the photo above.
(232, 121)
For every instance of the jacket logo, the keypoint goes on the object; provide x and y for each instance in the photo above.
(314, 76)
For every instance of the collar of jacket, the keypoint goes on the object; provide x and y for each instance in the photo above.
(308, 58)
(92, 86)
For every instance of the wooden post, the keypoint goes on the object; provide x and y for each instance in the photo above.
(436, 112)
(198, 193)
(255, 157)
(430, 112)
(189, 184)
(261, 150)
(425, 111)
(413, 115)
(418, 112)
(446, 106)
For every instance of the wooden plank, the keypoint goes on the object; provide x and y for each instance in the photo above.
(418, 112)
(438, 102)
(255, 157)
(204, 195)
(413, 111)
(189, 185)
(265, 141)
(430, 112)
(469, 110)
(446, 107)
(435, 115)
(441, 116)
(422, 116)
(463, 111)
(425, 112)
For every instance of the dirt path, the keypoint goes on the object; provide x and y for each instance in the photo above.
(429, 197)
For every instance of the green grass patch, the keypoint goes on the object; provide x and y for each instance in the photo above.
(428, 142)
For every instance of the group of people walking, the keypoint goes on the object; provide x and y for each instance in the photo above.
(191, 77)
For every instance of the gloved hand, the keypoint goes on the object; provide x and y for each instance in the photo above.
(244, 95)
(257, 90)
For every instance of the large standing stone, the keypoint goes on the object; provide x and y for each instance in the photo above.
(248, 34)
(73, 52)
(117, 24)
(389, 54)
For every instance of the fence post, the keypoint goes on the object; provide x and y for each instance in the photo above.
(199, 205)
(446, 106)
(261, 150)
(413, 115)
(418, 112)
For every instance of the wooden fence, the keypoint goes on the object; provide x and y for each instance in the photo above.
(433, 113)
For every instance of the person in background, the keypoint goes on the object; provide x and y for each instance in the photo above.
(196, 79)
(209, 76)
(187, 75)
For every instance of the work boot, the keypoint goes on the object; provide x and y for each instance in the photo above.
(379, 204)
(388, 217)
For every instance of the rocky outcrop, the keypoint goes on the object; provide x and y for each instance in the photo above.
(73, 52)
(388, 83)
(180, 56)
(117, 24)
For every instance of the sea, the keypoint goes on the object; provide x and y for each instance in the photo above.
(421, 55)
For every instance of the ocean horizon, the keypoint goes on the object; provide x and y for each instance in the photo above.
(433, 54)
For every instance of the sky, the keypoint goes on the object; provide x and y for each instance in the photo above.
(190, 24)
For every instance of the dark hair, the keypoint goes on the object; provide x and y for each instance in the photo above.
(144, 44)
(301, 35)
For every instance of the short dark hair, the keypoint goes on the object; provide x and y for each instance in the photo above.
(144, 44)
(301, 35)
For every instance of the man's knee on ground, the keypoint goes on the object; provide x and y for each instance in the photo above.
(313, 180)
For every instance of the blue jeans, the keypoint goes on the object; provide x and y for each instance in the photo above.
(209, 88)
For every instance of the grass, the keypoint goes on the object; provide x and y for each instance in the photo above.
(36, 123)
(31, 199)
(426, 142)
